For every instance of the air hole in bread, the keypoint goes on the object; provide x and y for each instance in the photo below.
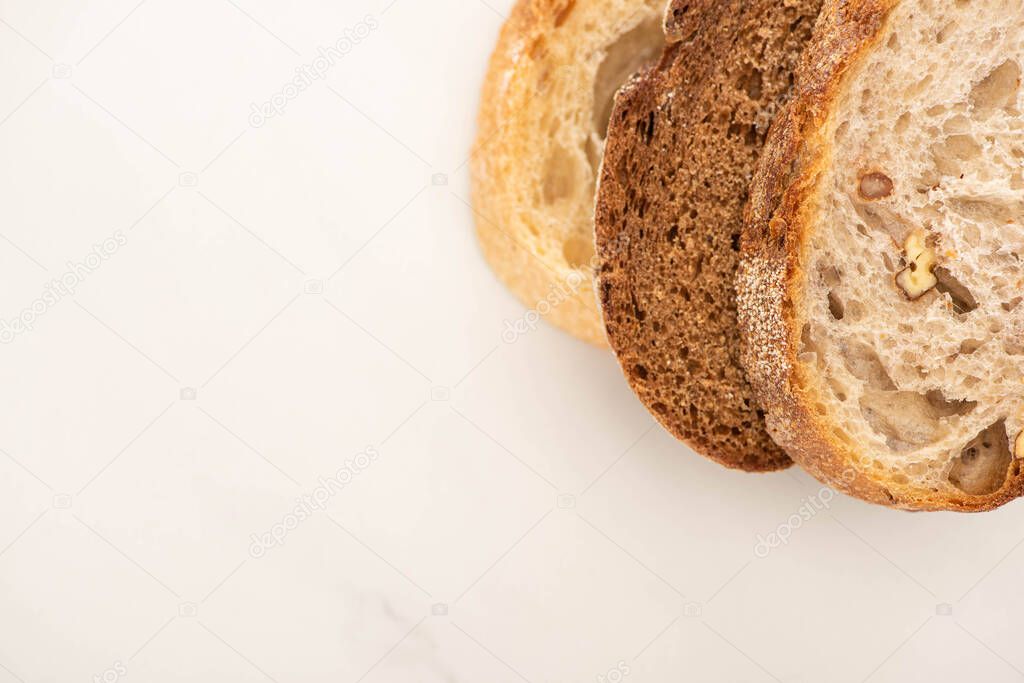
(835, 305)
(622, 58)
(563, 14)
(537, 52)
(838, 389)
(866, 105)
(998, 90)
(853, 310)
(871, 218)
(751, 83)
(830, 275)
(907, 420)
(638, 312)
(1013, 347)
(948, 408)
(749, 134)
(578, 252)
(916, 469)
(988, 210)
(809, 351)
(841, 131)
(863, 362)
(957, 124)
(903, 123)
(953, 153)
(945, 32)
(969, 346)
(1012, 304)
(963, 300)
(917, 88)
(982, 466)
(928, 180)
(649, 129)
(559, 175)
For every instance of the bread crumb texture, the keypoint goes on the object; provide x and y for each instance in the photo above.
(892, 318)
(543, 119)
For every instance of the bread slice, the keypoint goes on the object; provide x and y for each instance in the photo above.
(543, 116)
(683, 142)
(882, 273)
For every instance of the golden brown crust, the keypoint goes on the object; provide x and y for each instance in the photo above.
(682, 144)
(770, 280)
(545, 48)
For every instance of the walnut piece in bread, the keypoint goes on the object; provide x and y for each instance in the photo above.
(918, 277)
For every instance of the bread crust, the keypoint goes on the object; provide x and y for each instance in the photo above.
(682, 144)
(521, 239)
(780, 217)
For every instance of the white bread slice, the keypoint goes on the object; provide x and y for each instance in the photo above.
(543, 118)
(882, 277)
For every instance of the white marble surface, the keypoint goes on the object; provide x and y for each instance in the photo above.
(282, 298)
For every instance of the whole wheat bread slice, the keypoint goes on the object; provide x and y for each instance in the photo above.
(682, 145)
(882, 276)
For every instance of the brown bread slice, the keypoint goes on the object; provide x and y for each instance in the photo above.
(682, 145)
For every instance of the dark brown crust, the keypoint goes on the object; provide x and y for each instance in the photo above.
(682, 144)
(770, 281)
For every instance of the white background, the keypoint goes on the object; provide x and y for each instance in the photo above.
(524, 518)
